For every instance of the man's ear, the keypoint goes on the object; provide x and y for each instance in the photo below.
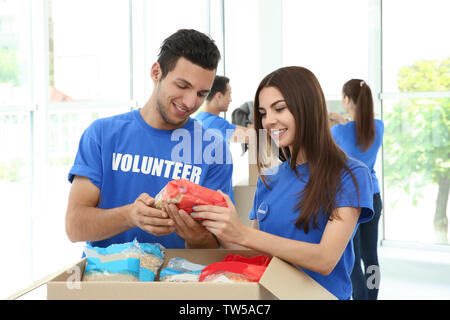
(156, 72)
(218, 95)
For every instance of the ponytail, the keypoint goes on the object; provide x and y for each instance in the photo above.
(359, 92)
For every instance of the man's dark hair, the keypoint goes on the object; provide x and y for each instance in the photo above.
(219, 85)
(190, 44)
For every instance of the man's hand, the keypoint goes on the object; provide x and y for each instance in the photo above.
(194, 233)
(149, 219)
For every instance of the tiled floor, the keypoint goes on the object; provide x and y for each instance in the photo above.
(414, 275)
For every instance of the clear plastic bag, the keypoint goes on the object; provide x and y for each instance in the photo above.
(181, 270)
(118, 262)
(151, 259)
(132, 261)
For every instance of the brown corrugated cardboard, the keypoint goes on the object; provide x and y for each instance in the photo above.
(280, 281)
(243, 197)
(253, 174)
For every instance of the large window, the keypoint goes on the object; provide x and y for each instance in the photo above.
(94, 58)
(328, 37)
(14, 52)
(416, 112)
(242, 66)
(89, 50)
(15, 144)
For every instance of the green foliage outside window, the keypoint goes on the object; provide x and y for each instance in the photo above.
(417, 138)
(9, 66)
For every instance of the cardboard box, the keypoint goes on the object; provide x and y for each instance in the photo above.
(280, 281)
(243, 198)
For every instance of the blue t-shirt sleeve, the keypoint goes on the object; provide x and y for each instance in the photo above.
(88, 161)
(349, 195)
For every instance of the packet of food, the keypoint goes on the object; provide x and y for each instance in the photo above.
(117, 262)
(260, 260)
(181, 270)
(151, 259)
(232, 271)
(185, 195)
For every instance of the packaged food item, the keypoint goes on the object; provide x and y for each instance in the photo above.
(260, 260)
(184, 265)
(232, 271)
(186, 194)
(151, 259)
(118, 262)
(181, 270)
(132, 261)
(172, 275)
(236, 268)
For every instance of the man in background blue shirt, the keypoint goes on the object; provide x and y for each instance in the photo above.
(217, 101)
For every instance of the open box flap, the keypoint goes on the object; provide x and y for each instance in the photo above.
(40, 282)
(286, 282)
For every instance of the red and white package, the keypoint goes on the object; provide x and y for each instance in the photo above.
(185, 194)
(232, 271)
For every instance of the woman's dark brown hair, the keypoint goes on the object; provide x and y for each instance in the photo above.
(326, 161)
(361, 95)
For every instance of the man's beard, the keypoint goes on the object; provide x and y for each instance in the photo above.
(163, 113)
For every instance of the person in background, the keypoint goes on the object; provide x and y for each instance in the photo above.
(305, 210)
(361, 138)
(217, 101)
(124, 161)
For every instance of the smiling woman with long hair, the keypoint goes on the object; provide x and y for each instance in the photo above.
(305, 210)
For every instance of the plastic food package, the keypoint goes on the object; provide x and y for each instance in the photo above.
(181, 270)
(236, 268)
(130, 261)
(186, 194)
(118, 262)
(260, 260)
(151, 259)
(232, 271)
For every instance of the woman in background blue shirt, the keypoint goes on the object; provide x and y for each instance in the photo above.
(306, 210)
(361, 138)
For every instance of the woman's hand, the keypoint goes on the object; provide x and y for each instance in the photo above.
(223, 222)
(337, 118)
(195, 235)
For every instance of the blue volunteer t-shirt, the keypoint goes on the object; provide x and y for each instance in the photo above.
(345, 137)
(211, 121)
(275, 212)
(125, 157)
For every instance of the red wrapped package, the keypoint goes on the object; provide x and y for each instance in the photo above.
(232, 271)
(260, 260)
(236, 268)
(186, 194)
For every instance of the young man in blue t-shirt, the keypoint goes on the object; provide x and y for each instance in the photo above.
(125, 160)
(217, 101)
